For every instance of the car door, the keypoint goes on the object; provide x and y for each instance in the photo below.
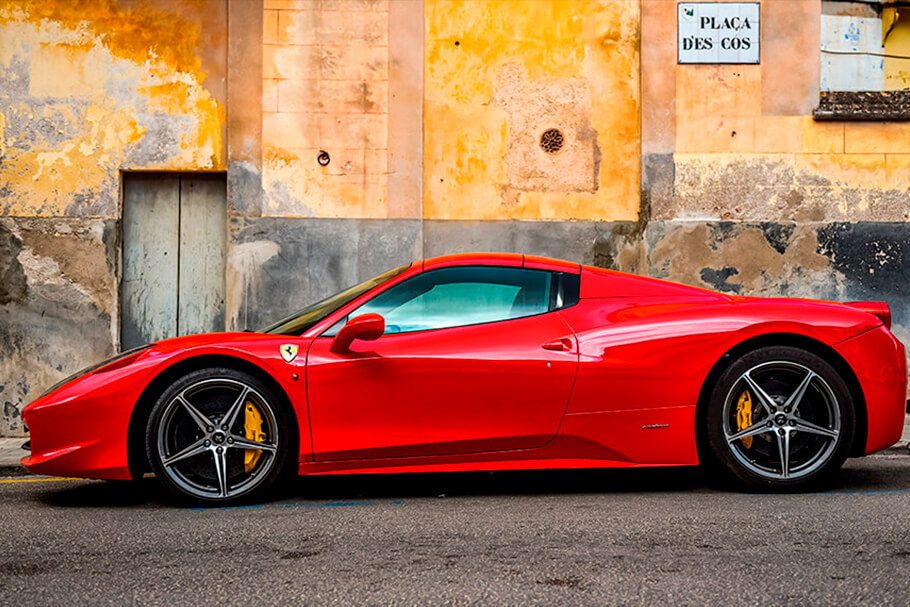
(472, 359)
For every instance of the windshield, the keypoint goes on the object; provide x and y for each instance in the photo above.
(300, 321)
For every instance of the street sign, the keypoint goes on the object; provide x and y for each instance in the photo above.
(718, 32)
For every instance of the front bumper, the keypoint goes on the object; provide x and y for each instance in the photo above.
(80, 430)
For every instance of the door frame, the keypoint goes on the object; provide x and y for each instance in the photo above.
(117, 316)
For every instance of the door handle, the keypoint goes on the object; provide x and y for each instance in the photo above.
(560, 345)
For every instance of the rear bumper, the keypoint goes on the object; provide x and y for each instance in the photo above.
(880, 363)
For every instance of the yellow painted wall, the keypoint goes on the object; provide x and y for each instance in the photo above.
(791, 167)
(325, 88)
(91, 87)
(487, 64)
(329, 84)
(897, 44)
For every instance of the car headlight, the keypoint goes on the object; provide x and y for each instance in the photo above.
(133, 352)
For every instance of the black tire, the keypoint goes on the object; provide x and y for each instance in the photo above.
(189, 441)
(814, 430)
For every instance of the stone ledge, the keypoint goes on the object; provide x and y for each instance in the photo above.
(863, 105)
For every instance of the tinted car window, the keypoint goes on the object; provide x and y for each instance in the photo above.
(453, 297)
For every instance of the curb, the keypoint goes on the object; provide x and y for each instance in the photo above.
(14, 470)
(900, 448)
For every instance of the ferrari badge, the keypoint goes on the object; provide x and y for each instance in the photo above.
(288, 352)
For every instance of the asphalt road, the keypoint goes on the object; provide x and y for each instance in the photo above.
(605, 537)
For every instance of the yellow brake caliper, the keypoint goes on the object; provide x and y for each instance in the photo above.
(252, 426)
(744, 416)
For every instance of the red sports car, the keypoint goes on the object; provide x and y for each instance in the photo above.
(489, 362)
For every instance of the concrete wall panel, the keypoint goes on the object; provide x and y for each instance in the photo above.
(57, 296)
(790, 51)
(247, 23)
(328, 85)
(614, 245)
(278, 265)
(658, 78)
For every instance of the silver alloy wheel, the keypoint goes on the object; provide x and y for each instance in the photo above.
(200, 447)
(795, 420)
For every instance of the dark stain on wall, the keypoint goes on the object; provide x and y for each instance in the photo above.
(603, 252)
(13, 286)
(718, 279)
(874, 257)
(244, 187)
(658, 173)
(874, 261)
(778, 235)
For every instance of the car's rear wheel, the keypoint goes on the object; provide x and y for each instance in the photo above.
(217, 436)
(779, 418)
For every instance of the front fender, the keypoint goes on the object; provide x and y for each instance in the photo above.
(81, 429)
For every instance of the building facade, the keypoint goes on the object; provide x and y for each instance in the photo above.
(175, 166)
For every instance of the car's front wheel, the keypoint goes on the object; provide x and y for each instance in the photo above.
(779, 418)
(217, 436)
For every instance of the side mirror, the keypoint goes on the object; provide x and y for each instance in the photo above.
(365, 326)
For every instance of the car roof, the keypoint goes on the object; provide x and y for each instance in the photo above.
(502, 259)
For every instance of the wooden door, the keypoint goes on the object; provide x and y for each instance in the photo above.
(174, 229)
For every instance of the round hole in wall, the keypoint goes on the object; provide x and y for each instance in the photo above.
(551, 141)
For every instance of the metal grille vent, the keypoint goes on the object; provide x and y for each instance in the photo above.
(551, 141)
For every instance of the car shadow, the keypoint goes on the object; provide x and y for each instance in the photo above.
(880, 474)
(885, 474)
(147, 491)
(96, 493)
(503, 483)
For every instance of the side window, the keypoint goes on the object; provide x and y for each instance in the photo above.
(453, 297)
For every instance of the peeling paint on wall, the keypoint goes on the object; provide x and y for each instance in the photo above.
(746, 259)
(91, 88)
(56, 298)
(810, 187)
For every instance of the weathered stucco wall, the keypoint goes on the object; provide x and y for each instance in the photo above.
(747, 193)
(745, 145)
(57, 298)
(329, 72)
(94, 87)
(501, 73)
(490, 77)
(89, 88)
